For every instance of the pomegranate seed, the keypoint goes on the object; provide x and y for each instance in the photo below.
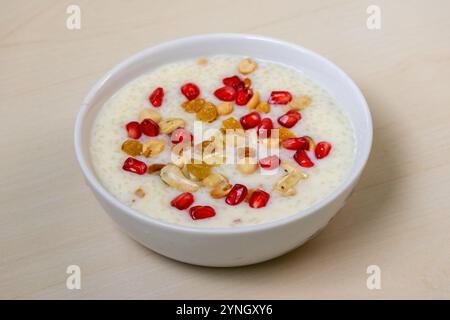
(270, 162)
(243, 96)
(149, 128)
(264, 128)
(236, 195)
(183, 201)
(280, 97)
(134, 130)
(289, 119)
(156, 98)
(234, 82)
(135, 166)
(295, 143)
(226, 93)
(190, 91)
(323, 148)
(180, 135)
(250, 120)
(302, 158)
(201, 212)
(258, 199)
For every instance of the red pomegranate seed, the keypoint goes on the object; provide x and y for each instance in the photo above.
(201, 212)
(302, 158)
(135, 166)
(295, 143)
(270, 162)
(234, 82)
(183, 201)
(236, 195)
(149, 128)
(134, 130)
(289, 119)
(258, 199)
(264, 128)
(190, 91)
(250, 120)
(243, 96)
(226, 93)
(280, 97)
(323, 148)
(180, 135)
(156, 97)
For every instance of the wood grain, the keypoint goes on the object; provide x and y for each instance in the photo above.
(398, 218)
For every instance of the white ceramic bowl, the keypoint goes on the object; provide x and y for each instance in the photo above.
(226, 247)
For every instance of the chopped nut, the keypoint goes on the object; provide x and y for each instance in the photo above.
(221, 190)
(246, 66)
(225, 108)
(202, 61)
(132, 147)
(312, 145)
(286, 185)
(263, 107)
(152, 168)
(299, 103)
(214, 179)
(149, 114)
(173, 176)
(139, 193)
(254, 101)
(247, 166)
(152, 147)
(170, 125)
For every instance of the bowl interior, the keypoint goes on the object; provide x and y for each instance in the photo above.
(316, 67)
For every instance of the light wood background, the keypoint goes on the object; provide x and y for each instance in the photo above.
(398, 218)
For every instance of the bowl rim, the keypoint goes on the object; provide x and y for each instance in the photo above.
(146, 219)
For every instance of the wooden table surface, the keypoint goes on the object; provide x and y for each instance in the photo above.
(398, 218)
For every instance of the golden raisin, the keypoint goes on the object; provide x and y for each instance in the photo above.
(263, 107)
(193, 106)
(152, 168)
(208, 113)
(284, 134)
(199, 170)
(231, 123)
(139, 193)
(132, 147)
(247, 82)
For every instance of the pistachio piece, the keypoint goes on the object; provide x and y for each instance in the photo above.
(152, 147)
(246, 66)
(149, 114)
(170, 125)
(173, 176)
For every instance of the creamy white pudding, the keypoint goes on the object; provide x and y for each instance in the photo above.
(322, 120)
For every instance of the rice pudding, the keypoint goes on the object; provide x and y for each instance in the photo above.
(155, 143)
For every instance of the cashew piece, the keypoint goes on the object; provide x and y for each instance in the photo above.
(152, 147)
(214, 179)
(221, 190)
(149, 114)
(173, 176)
(286, 185)
(170, 125)
(246, 66)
